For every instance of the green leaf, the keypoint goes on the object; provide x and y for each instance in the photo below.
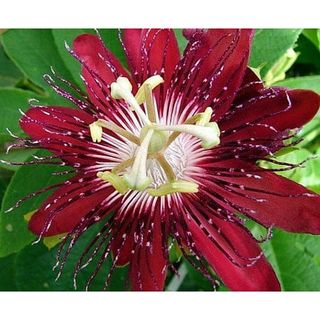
(296, 260)
(9, 73)
(111, 40)
(18, 155)
(177, 279)
(5, 177)
(34, 52)
(61, 36)
(14, 233)
(191, 280)
(269, 45)
(7, 273)
(308, 62)
(11, 100)
(307, 82)
(313, 35)
(308, 175)
(182, 41)
(38, 261)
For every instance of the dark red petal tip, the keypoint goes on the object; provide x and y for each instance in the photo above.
(273, 200)
(305, 105)
(259, 276)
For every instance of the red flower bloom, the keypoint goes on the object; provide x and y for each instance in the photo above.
(169, 151)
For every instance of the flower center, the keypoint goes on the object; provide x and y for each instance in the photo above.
(153, 141)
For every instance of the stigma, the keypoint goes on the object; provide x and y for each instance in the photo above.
(152, 141)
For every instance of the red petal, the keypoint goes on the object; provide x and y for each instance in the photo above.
(60, 130)
(304, 106)
(151, 51)
(104, 66)
(251, 86)
(147, 267)
(123, 247)
(71, 212)
(35, 120)
(281, 108)
(213, 68)
(263, 120)
(258, 277)
(285, 204)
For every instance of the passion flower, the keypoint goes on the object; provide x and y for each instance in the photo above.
(167, 152)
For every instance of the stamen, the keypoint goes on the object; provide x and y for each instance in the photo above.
(122, 90)
(152, 83)
(117, 182)
(205, 117)
(180, 186)
(201, 119)
(191, 120)
(124, 83)
(137, 179)
(152, 141)
(96, 131)
(209, 133)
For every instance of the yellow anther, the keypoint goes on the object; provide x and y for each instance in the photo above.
(95, 132)
(117, 182)
(152, 82)
(117, 87)
(205, 117)
(214, 140)
(180, 186)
